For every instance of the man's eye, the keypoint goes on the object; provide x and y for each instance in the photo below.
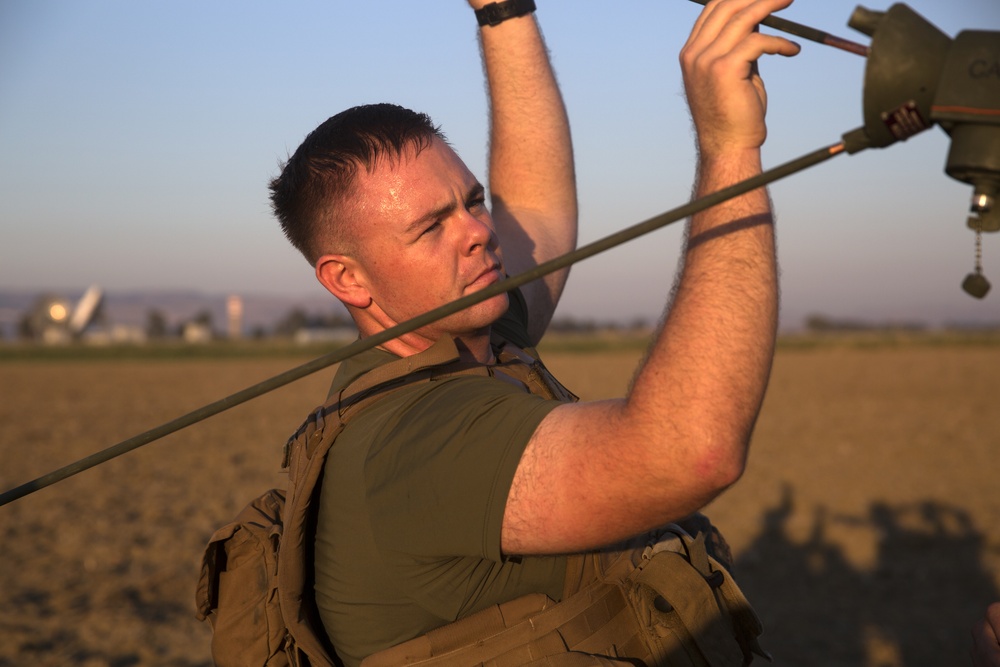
(431, 228)
(477, 203)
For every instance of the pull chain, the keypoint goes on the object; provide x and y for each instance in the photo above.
(979, 247)
(976, 283)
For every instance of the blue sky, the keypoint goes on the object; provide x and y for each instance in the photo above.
(137, 138)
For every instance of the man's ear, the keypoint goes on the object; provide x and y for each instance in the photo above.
(343, 278)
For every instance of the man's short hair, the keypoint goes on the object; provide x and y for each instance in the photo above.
(320, 174)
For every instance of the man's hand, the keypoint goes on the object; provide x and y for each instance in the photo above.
(725, 93)
(985, 642)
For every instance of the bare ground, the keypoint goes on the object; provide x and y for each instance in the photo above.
(866, 528)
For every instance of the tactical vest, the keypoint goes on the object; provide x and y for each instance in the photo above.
(663, 603)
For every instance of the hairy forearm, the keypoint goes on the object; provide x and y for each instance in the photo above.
(681, 436)
(532, 179)
(531, 155)
(712, 358)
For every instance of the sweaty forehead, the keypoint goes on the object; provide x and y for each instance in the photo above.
(413, 180)
(384, 190)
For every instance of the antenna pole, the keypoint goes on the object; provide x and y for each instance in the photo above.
(369, 342)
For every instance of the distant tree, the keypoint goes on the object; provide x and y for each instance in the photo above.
(156, 324)
(638, 324)
(203, 317)
(570, 324)
(819, 323)
(338, 321)
(824, 323)
(26, 327)
(296, 319)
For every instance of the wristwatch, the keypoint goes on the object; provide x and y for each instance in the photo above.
(496, 13)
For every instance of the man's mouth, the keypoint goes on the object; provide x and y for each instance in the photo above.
(488, 277)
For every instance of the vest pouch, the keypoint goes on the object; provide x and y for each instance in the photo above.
(689, 608)
(237, 591)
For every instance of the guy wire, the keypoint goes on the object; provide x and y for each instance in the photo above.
(369, 342)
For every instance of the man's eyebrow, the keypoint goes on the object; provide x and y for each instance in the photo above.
(441, 212)
(477, 190)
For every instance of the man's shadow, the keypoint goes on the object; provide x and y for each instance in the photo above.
(915, 607)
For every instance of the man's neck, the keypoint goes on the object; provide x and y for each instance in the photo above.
(474, 347)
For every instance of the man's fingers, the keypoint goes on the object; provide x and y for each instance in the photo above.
(769, 45)
(719, 62)
(737, 15)
(740, 60)
(730, 27)
(726, 22)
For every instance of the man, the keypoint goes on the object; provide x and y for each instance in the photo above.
(445, 498)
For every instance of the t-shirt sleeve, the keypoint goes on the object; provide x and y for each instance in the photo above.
(437, 483)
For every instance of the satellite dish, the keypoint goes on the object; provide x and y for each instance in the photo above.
(86, 309)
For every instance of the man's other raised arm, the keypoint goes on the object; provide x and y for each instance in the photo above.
(532, 181)
(595, 473)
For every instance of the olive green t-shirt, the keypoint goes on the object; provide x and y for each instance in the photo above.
(411, 505)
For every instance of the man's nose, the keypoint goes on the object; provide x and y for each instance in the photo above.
(480, 234)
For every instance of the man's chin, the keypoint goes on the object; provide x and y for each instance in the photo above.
(480, 317)
(498, 306)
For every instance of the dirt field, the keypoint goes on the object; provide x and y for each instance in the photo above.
(866, 529)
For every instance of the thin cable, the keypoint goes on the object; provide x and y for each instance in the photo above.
(369, 342)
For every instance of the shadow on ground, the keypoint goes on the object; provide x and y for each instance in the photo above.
(915, 607)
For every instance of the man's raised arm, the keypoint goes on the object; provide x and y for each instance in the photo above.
(595, 473)
(531, 181)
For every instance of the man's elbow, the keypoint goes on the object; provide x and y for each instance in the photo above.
(718, 468)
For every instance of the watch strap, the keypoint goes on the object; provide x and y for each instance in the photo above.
(496, 13)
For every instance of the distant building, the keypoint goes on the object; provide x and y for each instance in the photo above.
(196, 332)
(115, 334)
(234, 317)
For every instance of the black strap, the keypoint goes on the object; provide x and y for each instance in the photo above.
(496, 13)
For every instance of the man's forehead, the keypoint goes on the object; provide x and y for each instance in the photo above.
(415, 174)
